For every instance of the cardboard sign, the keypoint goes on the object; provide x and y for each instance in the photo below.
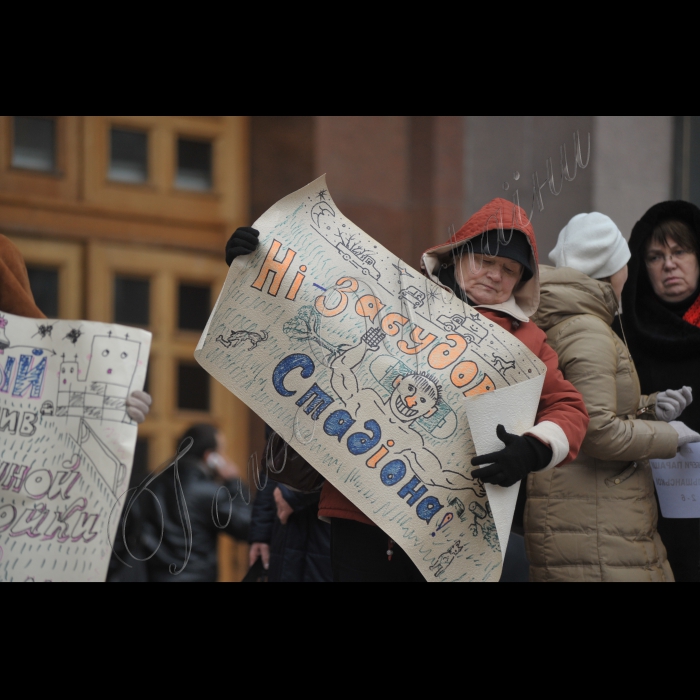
(66, 443)
(364, 366)
(677, 482)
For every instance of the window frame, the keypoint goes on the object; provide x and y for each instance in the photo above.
(150, 155)
(59, 170)
(212, 140)
(67, 258)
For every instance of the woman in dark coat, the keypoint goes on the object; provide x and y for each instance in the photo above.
(661, 321)
(182, 519)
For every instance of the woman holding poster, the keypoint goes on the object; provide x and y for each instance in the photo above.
(596, 520)
(661, 303)
(490, 264)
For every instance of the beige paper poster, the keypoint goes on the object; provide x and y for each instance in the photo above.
(66, 443)
(363, 366)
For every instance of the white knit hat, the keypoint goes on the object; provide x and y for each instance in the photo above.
(592, 244)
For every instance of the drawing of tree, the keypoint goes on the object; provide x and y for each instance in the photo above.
(306, 325)
(354, 248)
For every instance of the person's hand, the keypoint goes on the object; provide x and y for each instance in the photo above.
(223, 467)
(259, 549)
(284, 510)
(138, 404)
(672, 402)
(685, 434)
(243, 241)
(228, 470)
(520, 456)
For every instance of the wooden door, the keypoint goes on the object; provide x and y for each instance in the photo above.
(172, 294)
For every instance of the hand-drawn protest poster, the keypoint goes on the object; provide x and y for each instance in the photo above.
(362, 365)
(66, 443)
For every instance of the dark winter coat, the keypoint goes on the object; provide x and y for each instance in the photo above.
(666, 352)
(300, 549)
(199, 492)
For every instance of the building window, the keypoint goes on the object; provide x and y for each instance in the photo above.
(192, 387)
(132, 301)
(193, 307)
(194, 165)
(128, 156)
(34, 143)
(44, 284)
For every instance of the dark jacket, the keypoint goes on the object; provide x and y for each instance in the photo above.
(300, 549)
(128, 561)
(666, 352)
(186, 515)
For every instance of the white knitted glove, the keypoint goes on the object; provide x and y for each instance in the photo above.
(138, 405)
(672, 402)
(685, 434)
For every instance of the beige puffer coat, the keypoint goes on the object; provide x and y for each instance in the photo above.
(595, 518)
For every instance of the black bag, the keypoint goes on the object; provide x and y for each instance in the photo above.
(288, 467)
(256, 574)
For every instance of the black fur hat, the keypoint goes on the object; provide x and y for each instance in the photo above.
(505, 244)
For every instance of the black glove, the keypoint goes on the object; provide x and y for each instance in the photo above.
(520, 456)
(243, 241)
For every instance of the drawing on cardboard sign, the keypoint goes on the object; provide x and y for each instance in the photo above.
(365, 370)
(66, 444)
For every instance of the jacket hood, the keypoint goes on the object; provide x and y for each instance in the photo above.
(566, 292)
(497, 214)
(646, 320)
(15, 293)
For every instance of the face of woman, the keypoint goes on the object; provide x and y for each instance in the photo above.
(487, 279)
(673, 270)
